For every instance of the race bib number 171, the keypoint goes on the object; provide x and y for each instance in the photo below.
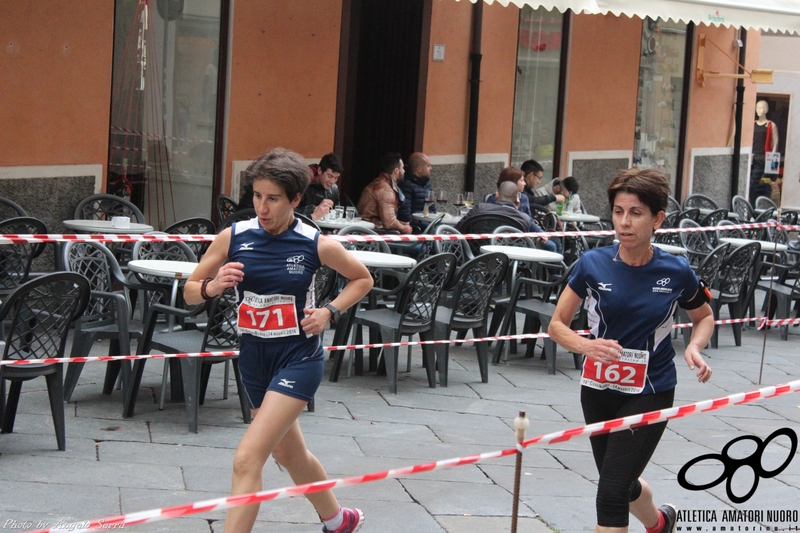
(270, 316)
(627, 375)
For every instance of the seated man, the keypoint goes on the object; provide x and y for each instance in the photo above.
(322, 194)
(557, 187)
(513, 175)
(533, 176)
(381, 198)
(416, 185)
(507, 203)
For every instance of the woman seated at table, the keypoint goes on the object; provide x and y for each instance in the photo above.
(517, 177)
(271, 261)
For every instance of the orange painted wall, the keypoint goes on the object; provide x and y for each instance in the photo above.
(447, 96)
(711, 107)
(284, 70)
(498, 75)
(55, 85)
(602, 83)
(447, 100)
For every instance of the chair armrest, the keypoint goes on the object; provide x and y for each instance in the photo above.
(151, 318)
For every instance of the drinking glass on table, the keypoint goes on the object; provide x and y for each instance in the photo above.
(459, 200)
(441, 198)
(469, 200)
(339, 212)
(429, 199)
(350, 214)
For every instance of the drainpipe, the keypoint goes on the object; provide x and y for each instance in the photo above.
(474, 95)
(737, 134)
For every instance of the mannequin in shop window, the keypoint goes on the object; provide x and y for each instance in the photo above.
(765, 139)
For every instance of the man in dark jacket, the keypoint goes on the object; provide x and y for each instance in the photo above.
(415, 187)
(507, 203)
(322, 193)
(533, 176)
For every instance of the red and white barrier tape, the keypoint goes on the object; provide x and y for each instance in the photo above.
(230, 353)
(118, 237)
(610, 426)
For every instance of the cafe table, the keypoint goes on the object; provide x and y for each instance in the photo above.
(339, 223)
(430, 217)
(669, 248)
(176, 270)
(105, 226)
(345, 323)
(766, 246)
(519, 253)
(579, 218)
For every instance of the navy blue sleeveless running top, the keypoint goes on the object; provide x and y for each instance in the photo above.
(277, 269)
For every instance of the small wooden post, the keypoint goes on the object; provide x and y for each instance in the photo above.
(520, 424)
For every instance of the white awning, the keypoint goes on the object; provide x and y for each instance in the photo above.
(776, 15)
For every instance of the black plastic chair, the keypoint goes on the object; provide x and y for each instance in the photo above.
(220, 334)
(673, 205)
(743, 209)
(9, 209)
(39, 314)
(486, 223)
(735, 274)
(225, 205)
(238, 216)
(307, 220)
(708, 271)
(106, 206)
(460, 248)
(193, 226)
(16, 259)
(414, 313)
(700, 201)
(540, 311)
(696, 242)
(670, 221)
(763, 202)
(713, 219)
(466, 307)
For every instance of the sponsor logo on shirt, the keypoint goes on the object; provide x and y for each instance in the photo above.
(662, 286)
(603, 286)
(294, 264)
(286, 383)
(246, 246)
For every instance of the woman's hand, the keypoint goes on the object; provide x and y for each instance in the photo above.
(228, 275)
(604, 351)
(316, 320)
(695, 360)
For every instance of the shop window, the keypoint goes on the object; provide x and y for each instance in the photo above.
(536, 96)
(660, 101)
(164, 106)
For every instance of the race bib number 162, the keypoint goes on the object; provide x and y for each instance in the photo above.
(627, 375)
(270, 316)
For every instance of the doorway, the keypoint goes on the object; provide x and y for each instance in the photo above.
(381, 97)
(770, 183)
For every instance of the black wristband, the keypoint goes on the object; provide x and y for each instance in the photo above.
(203, 292)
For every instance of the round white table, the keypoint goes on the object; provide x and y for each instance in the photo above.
(177, 270)
(766, 246)
(448, 218)
(104, 226)
(578, 217)
(340, 223)
(669, 248)
(383, 260)
(518, 253)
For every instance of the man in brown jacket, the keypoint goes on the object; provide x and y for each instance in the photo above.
(381, 198)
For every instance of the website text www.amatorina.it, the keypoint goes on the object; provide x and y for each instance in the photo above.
(738, 520)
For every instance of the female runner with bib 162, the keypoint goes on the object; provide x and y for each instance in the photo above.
(633, 290)
(271, 260)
